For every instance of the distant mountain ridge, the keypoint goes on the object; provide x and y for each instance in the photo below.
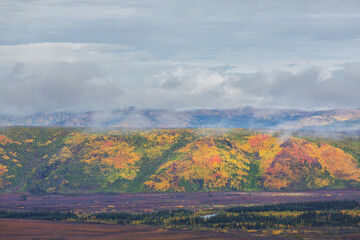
(338, 119)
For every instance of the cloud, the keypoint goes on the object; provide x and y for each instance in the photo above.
(44, 53)
(311, 88)
(72, 87)
(178, 54)
(194, 82)
(263, 35)
(83, 87)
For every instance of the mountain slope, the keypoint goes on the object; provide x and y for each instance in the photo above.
(77, 160)
(304, 165)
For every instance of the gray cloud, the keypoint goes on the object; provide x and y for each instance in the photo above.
(66, 87)
(79, 87)
(227, 32)
(312, 88)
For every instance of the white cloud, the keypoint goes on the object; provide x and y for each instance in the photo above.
(42, 53)
(194, 82)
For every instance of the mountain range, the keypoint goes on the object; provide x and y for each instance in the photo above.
(327, 120)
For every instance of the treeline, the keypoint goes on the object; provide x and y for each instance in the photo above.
(299, 206)
(278, 216)
(271, 220)
(39, 215)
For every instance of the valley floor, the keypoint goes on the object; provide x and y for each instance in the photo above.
(11, 229)
(152, 202)
(326, 215)
(25, 229)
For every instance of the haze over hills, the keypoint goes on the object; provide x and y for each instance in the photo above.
(333, 120)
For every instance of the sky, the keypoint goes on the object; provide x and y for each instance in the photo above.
(178, 54)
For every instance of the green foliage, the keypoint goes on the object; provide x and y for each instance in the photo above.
(40, 215)
(254, 177)
(299, 206)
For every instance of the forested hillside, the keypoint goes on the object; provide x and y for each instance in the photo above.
(67, 160)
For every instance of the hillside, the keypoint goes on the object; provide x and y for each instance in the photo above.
(66, 160)
(334, 120)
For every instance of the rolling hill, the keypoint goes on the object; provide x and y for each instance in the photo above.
(68, 160)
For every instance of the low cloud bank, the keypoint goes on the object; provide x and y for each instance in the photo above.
(83, 87)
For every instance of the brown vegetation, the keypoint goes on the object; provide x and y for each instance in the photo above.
(17, 229)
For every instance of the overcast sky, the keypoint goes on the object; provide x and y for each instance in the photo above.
(180, 54)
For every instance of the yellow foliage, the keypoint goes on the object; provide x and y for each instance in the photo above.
(201, 161)
(264, 147)
(3, 170)
(277, 214)
(51, 190)
(109, 152)
(45, 144)
(63, 156)
(340, 164)
(159, 141)
(14, 154)
(277, 232)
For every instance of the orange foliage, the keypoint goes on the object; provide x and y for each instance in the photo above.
(201, 161)
(109, 152)
(300, 159)
(340, 164)
(117, 154)
(216, 160)
(258, 139)
(291, 164)
(263, 148)
(5, 140)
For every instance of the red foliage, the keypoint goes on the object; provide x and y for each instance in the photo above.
(217, 175)
(216, 159)
(107, 144)
(299, 151)
(258, 139)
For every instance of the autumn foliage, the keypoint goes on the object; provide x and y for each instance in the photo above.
(302, 164)
(3, 170)
(114, 156)
(65, 160)
(202, 164)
